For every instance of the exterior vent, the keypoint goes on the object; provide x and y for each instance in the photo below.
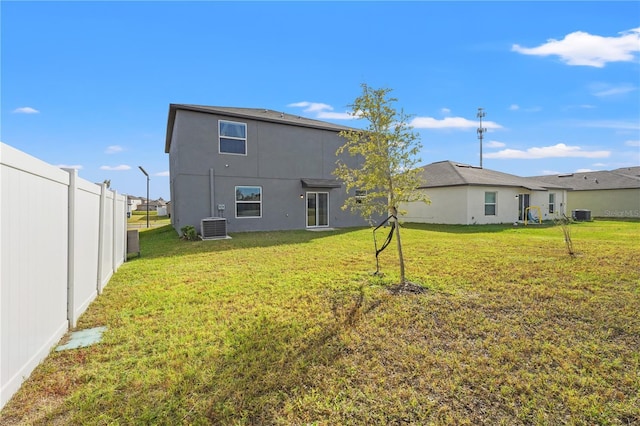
(213, 228)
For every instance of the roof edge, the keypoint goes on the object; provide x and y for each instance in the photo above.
(286, 119)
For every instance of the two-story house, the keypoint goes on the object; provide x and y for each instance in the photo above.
(259, 169)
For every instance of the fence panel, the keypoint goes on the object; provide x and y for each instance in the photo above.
(120, 231)
(107, 243)
(84, 221)
(51, 254)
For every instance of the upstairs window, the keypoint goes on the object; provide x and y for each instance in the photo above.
(552, 203)
(248, 201)
(490, 203)
(233, 137)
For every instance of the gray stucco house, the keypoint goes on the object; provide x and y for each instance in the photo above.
(259, 169)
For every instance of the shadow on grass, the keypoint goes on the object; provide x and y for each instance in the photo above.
(271, 361)
(164, 241)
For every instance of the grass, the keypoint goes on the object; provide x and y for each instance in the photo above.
(138, 219)
(290, 328)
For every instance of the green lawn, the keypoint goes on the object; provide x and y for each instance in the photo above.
(290, 328)
(138, 219)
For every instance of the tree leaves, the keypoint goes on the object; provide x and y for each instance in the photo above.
(388, 148)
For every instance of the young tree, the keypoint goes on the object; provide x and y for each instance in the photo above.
(386, 176)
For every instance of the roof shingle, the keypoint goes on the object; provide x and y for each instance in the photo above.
(449, 173)
(625, 178)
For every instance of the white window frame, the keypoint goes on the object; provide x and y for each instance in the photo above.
(259, 202)
(552, 202)
(361, 195)
(220, 137)
(316, 194)
(494, 204)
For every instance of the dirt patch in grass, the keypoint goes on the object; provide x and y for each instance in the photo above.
(407, 287)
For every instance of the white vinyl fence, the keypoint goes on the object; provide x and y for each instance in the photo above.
(61, 240)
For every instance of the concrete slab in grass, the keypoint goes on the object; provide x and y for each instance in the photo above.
(83, 338)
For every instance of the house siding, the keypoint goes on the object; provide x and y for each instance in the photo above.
(464, 205)
(607, 203)
(448, 206)
(278, 156)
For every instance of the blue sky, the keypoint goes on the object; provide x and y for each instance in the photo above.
(88, 84)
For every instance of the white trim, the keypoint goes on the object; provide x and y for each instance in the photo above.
(236, 201)
(494, 204)
(306, 209)
(233, 138)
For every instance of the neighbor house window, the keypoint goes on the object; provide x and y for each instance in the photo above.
(248, 201)
(552, 203)
(490, 203)
(360, 196)
(233, 137)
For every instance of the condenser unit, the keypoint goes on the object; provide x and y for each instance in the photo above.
(213, 228)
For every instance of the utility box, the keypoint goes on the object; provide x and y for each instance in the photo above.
(581, 215)
(133, 241)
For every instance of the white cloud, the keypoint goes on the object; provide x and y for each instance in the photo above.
(495, 144)
(73, 166)
(632, 143)
(322, 111)
(550, 172)
(603, 90)
(609, 124)
(112, 149)
(445, 111)
(166, 173)
(116, 168)
(556, 151)
(585, 171)
(25, 110)
(582, 106)
(515, 107)
(581, 48)
(311, 106)
(450, 123)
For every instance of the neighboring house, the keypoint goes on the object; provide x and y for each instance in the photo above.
(468, 195)
(259, 169)
(154, 205)
(133, 203)
(614, 193)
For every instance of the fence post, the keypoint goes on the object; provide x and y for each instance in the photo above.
(101, 236)
(114, 238)
(71, 256)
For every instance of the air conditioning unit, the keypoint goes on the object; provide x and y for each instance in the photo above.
(581, 214)
(213, 228)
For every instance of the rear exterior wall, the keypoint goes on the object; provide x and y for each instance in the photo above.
(278, 156)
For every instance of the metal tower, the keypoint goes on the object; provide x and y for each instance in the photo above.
(481, 114)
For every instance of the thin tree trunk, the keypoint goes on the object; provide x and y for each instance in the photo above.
(394, 211)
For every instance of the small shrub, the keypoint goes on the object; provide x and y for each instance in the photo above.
(189, 233)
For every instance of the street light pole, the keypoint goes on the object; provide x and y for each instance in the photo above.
(147, 175)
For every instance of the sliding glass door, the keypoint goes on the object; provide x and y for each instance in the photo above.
(317, 209)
